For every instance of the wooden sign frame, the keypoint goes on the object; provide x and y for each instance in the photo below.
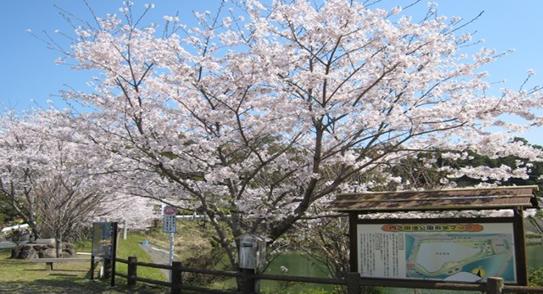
(108, 258)
(517, 221)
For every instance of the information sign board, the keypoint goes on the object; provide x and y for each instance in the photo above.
(104, 244)
(462, 252)
(102, 239)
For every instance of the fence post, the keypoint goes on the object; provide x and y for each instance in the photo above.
(248, 282)
(494, 285)
(176, 277)
(132, 272)
(352, 281)
(113, 252)
(107, 268)
(92, 267)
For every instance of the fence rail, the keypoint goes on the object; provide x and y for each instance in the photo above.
(521, 289)
(154, 282)
(352, 281)
(313, 280)
(155, 265)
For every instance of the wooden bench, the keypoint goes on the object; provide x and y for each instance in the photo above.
(49, 261)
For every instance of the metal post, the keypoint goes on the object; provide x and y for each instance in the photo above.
(494, 285)
(170, 258)
(132, 272)
(176, 277)
(353, 283)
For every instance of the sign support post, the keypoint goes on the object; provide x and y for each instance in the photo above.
(518, 227)
(170, 259)
(353, 252)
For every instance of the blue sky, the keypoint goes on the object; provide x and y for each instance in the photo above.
(29, 75)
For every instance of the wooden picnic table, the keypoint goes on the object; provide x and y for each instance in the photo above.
(50, 261)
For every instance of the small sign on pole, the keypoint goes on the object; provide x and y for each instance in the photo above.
(169, 219)
(169, 227)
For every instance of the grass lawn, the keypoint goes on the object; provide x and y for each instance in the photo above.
(131, 247)
(190, 238)
(298, 265)
(126, 248)
(18, 276)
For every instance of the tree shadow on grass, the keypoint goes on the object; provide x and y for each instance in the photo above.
(63, 275)
(55, 270)
(53, 286)
(67, 284)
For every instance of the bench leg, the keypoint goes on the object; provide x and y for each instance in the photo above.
(49, 265)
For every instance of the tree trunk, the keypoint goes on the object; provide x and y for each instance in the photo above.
(58, 244)
(35, 233)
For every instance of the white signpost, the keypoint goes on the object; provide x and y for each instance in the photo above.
(169, 226)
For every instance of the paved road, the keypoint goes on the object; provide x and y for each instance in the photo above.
(158, 255)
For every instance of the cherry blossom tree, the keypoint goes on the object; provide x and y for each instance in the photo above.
(50, 176)
(21, 164)
(132, 212)
(263, 111)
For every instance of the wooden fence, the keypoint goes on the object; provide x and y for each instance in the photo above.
(352, 281)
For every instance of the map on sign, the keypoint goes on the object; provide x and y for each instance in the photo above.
(446, 252)
(459, 257)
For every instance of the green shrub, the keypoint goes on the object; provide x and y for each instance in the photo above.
(535, 277)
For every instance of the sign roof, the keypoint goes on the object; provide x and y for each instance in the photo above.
(451, 199)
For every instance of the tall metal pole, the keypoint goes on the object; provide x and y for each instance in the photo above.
(170, 258)
(171, 249)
